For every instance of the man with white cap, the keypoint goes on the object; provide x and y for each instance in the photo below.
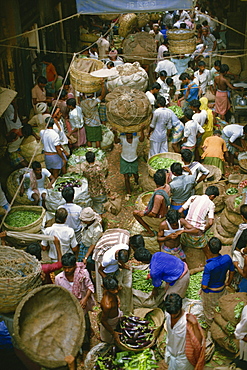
(38, 121)
(91, 231)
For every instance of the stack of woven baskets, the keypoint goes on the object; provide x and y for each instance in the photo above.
(181, 41)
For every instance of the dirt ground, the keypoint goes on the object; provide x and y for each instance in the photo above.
(125, 220)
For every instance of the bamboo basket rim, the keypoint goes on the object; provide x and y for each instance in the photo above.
(184, 42)
(139, 201)
(42, 360)
(171, 155)
(130, 129)
(173, 34)
(37, 209)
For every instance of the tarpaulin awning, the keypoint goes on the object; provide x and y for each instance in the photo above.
(134, 6)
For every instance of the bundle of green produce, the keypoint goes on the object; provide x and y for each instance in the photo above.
(238, 201)
(66, 181)
(79, 155)
(126, 361)
(21, 218)
(159, 163)
(177, 110)
(136, 333)
(231, 191)
(140, 281)
(194, 286)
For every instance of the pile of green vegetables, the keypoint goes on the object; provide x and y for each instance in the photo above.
(21, 218)
(79, 155)
(238, 201)
(238, 310)
(126, 361)
(177, 110)
(140, 281)
(66, 181)
(159, 163)
(135, 332)
(231, 191)
(194, 286)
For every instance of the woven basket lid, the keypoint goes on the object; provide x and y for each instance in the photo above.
(6, 97)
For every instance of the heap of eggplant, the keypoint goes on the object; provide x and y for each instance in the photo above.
(136, 333)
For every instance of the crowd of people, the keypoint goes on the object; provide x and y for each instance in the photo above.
(93, 258)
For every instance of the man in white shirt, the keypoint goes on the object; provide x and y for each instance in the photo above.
(150, 94)
(230, 134)
(204, 77)
(115, 256)
(11, 117)
(192, 129)
(166, 65)
(64, 233)
(199, 116)
(160, 128)
(164, 88)
(162, 48)
(74, 211)
(55, 160)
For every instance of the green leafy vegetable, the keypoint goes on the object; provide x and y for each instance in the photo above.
(79, 155)
(159, 163)
(21, 218)
(238, 201)
(231, 191)
(140, 282)
(177, 110)
(194, 286)
(238, 309)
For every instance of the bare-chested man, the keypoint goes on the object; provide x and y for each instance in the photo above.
(222, 103)
(110, 311)
(170, 231)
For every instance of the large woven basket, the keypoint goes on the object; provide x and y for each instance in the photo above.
(127, 23)
(89, 37)
(83, 81)
(12, 185)
(176, 156)
(139, 47)
(180, 34)
(158, 318)
(19, 274)
(48, 325)
(143, 199)
(34, 227)
(182, 46)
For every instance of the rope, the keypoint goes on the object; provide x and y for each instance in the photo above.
(42, 27)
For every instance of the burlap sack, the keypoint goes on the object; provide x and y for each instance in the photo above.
(140, 47)
(114, 206)
(128, 109)
(224, 241)
(142, 299)
(227, 225)
(125, 293)
(194, 257)
(219, 203)
(230, 343)
(227, 327)
(234, 218)
(30, 145)
(230, 204)
(227, 304)
(222, 231)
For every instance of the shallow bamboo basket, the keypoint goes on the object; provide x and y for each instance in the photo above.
(143, 199)
(176, 156)
(182, 46)
(83, 81)
(176, 34)
(32, 228)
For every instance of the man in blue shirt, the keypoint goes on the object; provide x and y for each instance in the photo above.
(190, 89)
(214, 278)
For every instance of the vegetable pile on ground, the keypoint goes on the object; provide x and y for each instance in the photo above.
(21, 218)
(194, 286)
(177, 110)
(231, 191)
(159, 163)
(136, 333)
(67, 181)
(238, 201)
(79, 155)
(140, 281)
(126, 361)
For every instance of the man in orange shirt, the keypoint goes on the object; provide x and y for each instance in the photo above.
(49, 71)
(214, 149)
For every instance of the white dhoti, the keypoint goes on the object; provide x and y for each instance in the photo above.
(158, 147)
(179, 362)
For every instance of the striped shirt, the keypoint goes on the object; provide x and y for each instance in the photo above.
(200, 207)
(108, 240)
